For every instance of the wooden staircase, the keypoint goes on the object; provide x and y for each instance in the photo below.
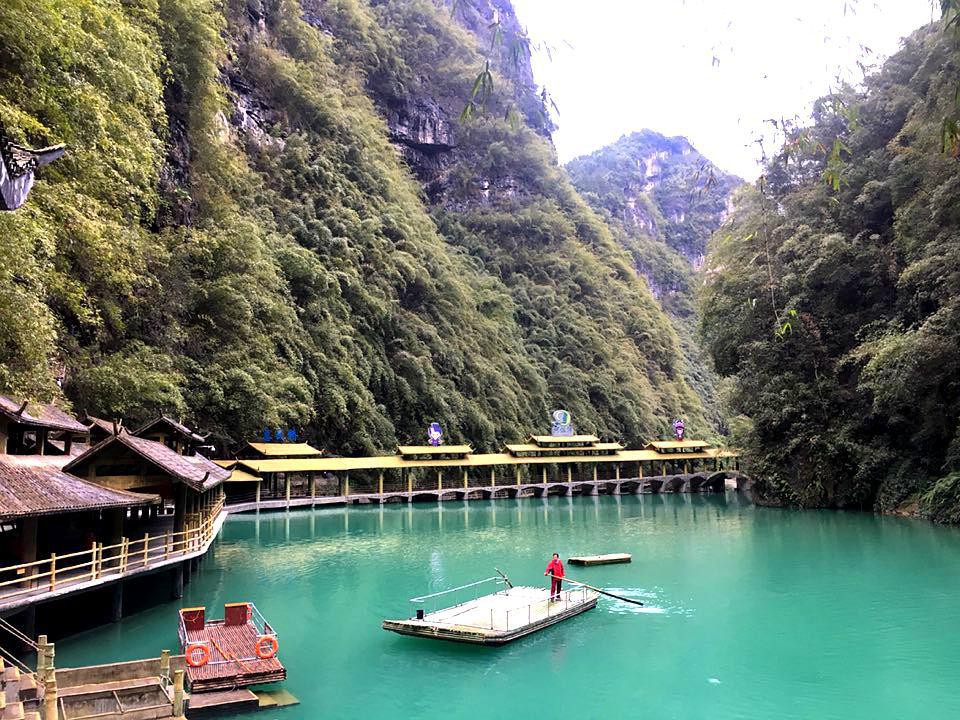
(18, 694)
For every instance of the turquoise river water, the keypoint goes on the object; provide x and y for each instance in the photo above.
(751, 612)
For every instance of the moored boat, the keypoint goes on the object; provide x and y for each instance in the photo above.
(608, 559)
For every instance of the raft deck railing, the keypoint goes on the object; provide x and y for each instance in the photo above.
(452, 591)
(256, 618)
(509, 618)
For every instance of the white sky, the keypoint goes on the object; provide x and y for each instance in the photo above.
(638, 64)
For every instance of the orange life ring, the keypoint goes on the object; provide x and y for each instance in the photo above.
(204, 655)
(265, 653)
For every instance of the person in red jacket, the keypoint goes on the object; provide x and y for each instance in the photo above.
(555, 570)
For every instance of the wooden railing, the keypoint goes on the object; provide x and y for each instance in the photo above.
(105, 561)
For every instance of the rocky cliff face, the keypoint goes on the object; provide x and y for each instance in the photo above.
(657, 185)
(285, 223)
(663, 200)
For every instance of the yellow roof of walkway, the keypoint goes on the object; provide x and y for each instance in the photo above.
(393, 462)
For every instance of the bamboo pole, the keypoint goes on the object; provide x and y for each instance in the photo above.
(93, 561)
(146, 548)
(53, 571)
(599, 590)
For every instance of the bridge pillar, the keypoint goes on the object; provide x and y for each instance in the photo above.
(569, 473)
(593, 487)
(518, 474)
(543, 474)
(380, 483)
(616, 467)
(465, 482)
(439, 480)
(594, 475)
(493, 477)
(346, 484)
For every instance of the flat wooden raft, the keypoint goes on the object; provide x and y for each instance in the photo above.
(235, 645)
(609, 559)
(497, 618)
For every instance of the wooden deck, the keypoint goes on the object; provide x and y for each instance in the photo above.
(609, 559)
(497, 618)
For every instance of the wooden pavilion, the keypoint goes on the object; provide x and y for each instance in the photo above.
(37, 429)
(189, 484)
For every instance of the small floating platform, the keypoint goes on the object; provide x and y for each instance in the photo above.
(228, 654)
(493, 619)
(609, 559)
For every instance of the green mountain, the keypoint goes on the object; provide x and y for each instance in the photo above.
(271, 214)
(833, 299)
(663, 200)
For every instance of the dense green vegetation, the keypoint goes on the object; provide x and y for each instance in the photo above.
(833, 298)
(232, 238)
(662, 199)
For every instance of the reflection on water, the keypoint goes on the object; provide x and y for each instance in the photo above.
(749, 612)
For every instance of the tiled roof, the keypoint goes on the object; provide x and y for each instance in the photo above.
(41, 416)
(105, 425)
(36, 485)
(194, 470)
(173, 425)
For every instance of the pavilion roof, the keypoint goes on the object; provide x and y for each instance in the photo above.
(32, 485)
(194, 470)
(434, 449)
(558, 439)
(172, 424)
(106, 425)
(39, 415)
(676, 444)
(280, 449)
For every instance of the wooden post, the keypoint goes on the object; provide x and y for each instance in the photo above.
(50, 698)
(518, 474)
(493, 477)
(53, 570)
(259, 482)
(380, 483)
(286, 480)
(663, 467)
(465, 479)
(41, 658)
(313, 485)
(346, 484)
(439, 480)
(93, 561)
(569, 473)
(686, 467)
(177, 694)
(146, 548)
(543, 474)
(409, 480)
(165, 664)
(639, 469)
(594, 472)
(167, 542)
